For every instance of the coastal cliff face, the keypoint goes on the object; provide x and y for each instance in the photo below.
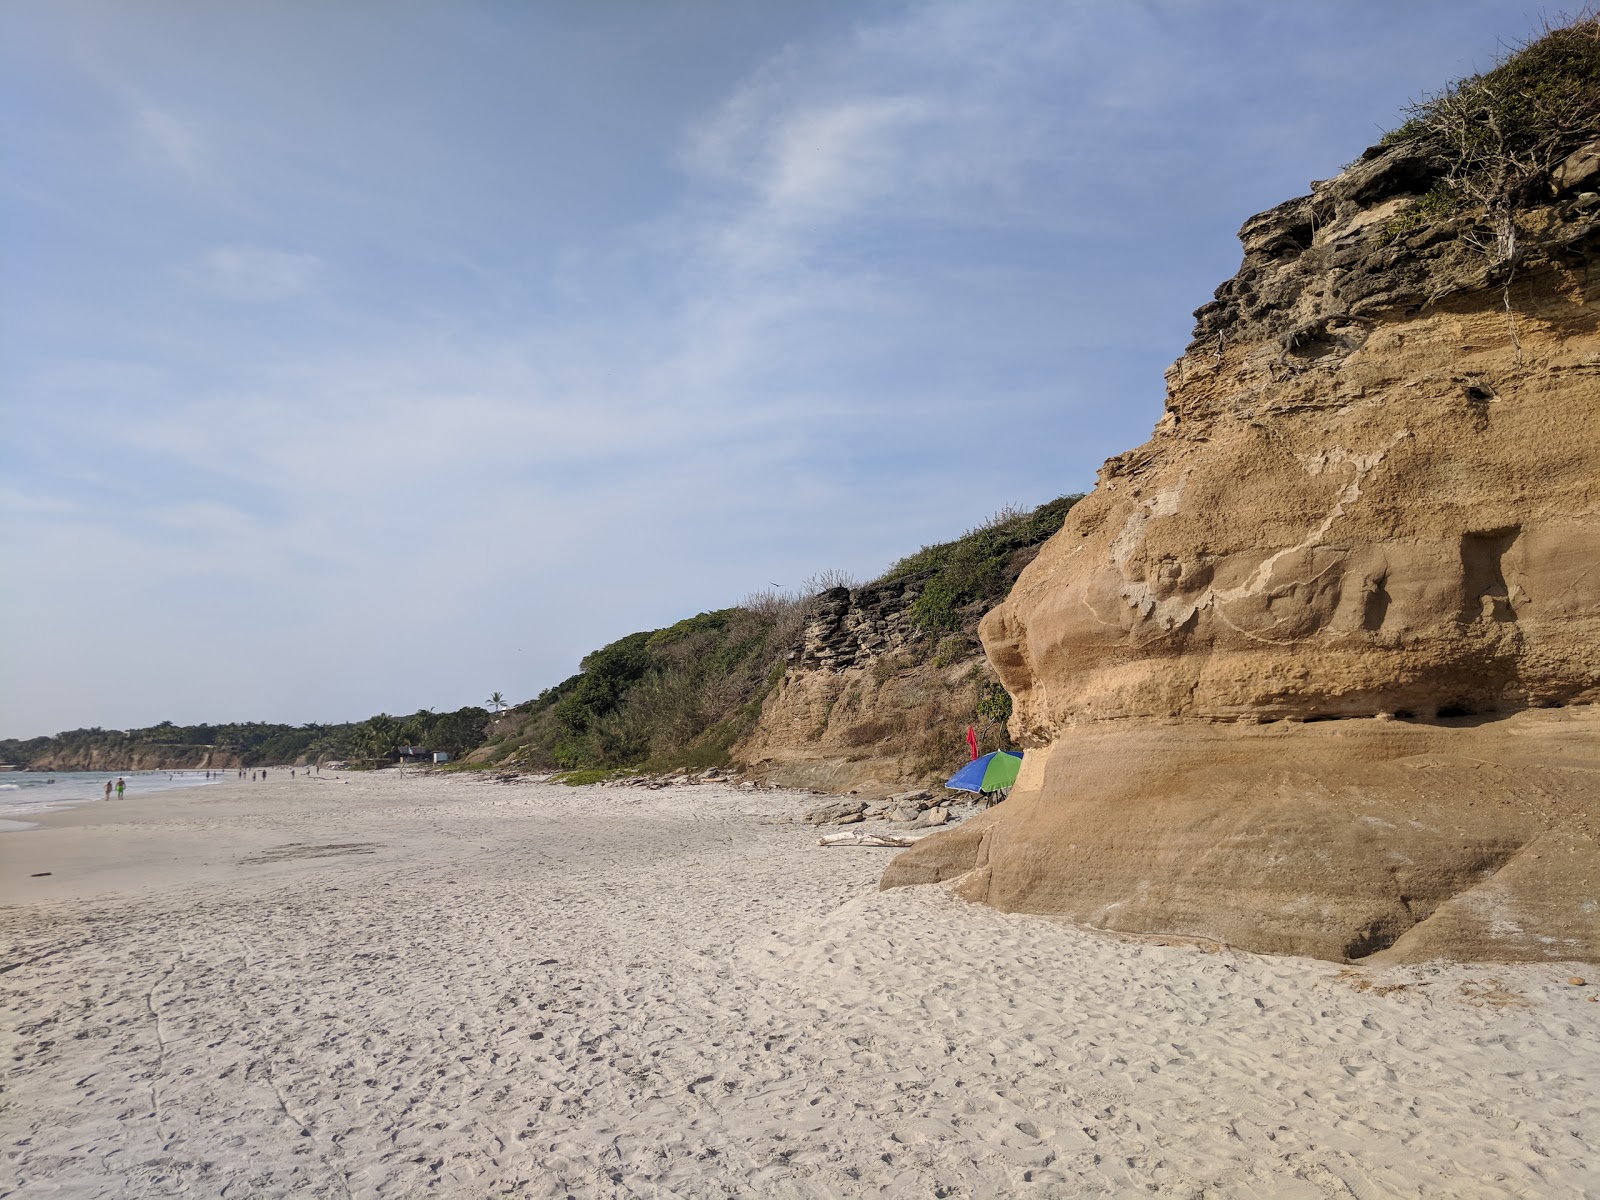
(1310, 670)
(868, 703)
(878, 693)
(178, 758)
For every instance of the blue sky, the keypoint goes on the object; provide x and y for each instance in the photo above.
(361, 356)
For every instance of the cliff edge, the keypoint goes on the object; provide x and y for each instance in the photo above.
(1313, 670)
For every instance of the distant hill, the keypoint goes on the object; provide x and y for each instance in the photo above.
(247, 744)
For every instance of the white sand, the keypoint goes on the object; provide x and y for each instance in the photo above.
(415, 986)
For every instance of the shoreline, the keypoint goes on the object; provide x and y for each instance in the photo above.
(26, 802)
(396, 983)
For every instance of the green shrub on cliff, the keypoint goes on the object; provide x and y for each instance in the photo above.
(994, 703)
(967, 577)
(679, 696)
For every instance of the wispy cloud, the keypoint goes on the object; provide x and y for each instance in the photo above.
(255, 273)
(172, 140)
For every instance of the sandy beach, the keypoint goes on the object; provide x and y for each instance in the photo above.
(413, 985)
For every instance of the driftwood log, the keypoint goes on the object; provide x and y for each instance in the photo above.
(871, 839)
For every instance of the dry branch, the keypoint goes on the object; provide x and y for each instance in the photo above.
(872, 839)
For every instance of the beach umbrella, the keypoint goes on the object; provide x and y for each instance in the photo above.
(990, 773)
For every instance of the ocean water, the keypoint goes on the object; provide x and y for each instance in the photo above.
(25, 794)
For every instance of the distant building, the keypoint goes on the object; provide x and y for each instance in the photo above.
(440, 756)
(414, 754)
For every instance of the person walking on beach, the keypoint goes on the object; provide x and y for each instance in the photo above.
(120, 786)
(108, 789)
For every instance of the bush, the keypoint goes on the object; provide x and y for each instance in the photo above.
(1442, 200)
(952, 650)
(678, 696)
(1496, 137)
(968, 576)
(994, 703)
(935, 609)
(586, 777)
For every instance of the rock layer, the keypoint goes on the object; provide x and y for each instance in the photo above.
(852, 627)
(1375, 494)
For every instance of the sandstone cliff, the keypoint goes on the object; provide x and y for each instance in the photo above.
(1312, 670)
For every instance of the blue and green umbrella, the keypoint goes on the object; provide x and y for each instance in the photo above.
(990, 773)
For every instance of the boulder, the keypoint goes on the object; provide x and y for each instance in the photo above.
(831, 814)
(1580, 169)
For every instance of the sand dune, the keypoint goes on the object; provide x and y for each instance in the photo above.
(420, 986)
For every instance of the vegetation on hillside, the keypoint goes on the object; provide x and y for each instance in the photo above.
(1495, 138)
(684, 695)
(967, 577)
(378, 739)
(657, 699)
(252, 743)
(679, 696)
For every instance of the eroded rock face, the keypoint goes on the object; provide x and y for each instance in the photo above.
(1375, 496)
(875, 730)
(868, 704)
(852, 627)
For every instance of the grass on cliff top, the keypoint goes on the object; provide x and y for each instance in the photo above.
(1496, 137)
(970, 575)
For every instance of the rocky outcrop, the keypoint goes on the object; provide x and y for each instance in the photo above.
(896, 722)
(1310, 670)
(869, 703)
(851, 627)
(887, 678)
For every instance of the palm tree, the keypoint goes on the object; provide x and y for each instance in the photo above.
(382, 736)
(496, 701)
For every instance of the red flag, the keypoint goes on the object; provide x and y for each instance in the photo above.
(972, 741)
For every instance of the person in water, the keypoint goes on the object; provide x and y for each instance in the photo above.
(120, 785)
